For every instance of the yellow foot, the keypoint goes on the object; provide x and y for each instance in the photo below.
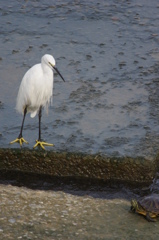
(20, 140)
(42, 143)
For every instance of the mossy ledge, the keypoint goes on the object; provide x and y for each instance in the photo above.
(65, 164)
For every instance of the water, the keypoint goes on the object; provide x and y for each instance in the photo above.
(61, 208)
(107, 52)
(27, 214)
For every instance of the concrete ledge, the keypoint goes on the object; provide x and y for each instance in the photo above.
(137, 170)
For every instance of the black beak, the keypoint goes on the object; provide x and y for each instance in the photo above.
(59, 73)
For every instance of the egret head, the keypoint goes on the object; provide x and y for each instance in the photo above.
(50, 61)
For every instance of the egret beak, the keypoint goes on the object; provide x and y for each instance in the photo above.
(58, 73)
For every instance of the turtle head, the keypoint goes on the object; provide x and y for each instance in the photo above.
(134, 205)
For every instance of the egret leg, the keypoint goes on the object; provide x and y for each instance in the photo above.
(40, 115)
(20, 138)
(39, 142)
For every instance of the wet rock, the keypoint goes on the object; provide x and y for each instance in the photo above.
(79, 165)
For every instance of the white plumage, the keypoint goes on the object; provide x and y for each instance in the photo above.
(36, 88)
(35, 92)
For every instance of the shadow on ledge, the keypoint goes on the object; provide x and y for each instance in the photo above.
(79, 186)
(76, 165)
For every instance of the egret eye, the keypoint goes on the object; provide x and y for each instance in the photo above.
(51, 64)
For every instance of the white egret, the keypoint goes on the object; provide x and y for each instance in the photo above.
(35, 92)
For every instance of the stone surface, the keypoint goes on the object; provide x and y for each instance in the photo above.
(79, 165)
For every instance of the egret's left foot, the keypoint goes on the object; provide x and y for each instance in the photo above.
(42, 143)
(19, 140)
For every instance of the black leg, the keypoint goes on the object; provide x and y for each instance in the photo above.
(39, 142)
(21, 130)
(40, 114)
(20, 138)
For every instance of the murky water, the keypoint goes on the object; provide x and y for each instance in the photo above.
(70, 209)
(108, 53)
(27, 214)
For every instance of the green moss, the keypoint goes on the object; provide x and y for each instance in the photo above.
(79, 165)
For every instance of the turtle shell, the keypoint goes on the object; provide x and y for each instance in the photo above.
(150, 203)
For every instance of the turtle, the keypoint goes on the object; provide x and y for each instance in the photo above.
(147, 206)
